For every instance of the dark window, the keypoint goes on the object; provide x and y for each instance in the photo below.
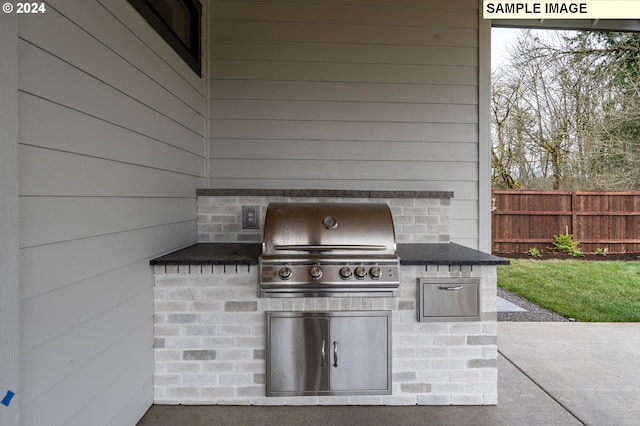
(178, 22)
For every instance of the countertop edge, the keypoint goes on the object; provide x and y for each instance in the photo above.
(247, 254)
(343, 193)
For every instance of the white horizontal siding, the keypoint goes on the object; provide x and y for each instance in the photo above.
(343, 33)
(50, 125)
(338, 169)
(345, 92)
(139, 44)
(113, 23)
(112, 126)
(72, 44)
(105, 314)
(80, 91)
(366, 94)
(343, 130)
(396, 112)
(47, 220)
(59, 173)
(82, 387)
(313, 149)
(118, 397)
(45, 268)
(348, 53)
(342, 72)
(424, 14)
(464, 215)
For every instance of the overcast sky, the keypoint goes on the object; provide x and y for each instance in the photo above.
(500, 38)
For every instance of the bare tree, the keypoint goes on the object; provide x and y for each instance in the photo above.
(566, 113)
(505, 147)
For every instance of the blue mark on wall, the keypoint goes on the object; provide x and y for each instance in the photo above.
(7, 398)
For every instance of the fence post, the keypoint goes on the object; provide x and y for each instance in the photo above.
(574, 213)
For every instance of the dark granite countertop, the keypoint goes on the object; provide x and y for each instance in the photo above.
(248, 253)
(445, 254)
(213, 254)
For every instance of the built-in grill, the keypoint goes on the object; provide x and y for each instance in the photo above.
(328, 249)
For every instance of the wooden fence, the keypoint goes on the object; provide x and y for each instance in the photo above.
(524, 219)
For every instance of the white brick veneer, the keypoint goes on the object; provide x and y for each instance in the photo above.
(416, 220)
(210, 340)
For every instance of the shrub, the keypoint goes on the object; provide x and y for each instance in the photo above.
(565, 243)
(534, 252)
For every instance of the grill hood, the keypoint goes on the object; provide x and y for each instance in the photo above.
(340, 228)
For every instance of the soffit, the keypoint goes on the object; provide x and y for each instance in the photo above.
(571, 24)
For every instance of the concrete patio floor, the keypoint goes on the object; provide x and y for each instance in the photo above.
(591, 369)
(549, 373)
(521, 403)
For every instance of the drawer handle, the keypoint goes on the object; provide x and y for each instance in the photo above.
(450, 288)
(335, 353)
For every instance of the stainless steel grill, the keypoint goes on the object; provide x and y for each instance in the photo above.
(328, 249)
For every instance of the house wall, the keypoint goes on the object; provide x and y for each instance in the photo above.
(349, 94)
(111, 151)
(9, 286)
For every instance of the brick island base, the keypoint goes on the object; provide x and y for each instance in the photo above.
(210, 340)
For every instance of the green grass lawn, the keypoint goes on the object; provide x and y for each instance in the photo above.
(597, 291)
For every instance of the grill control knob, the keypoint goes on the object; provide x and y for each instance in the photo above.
(285, 273)
(375, 272)
(315, 272)
(345, 272)
(360, 272)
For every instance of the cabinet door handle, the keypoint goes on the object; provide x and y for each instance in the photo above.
(450, 288)
(335, 353)
(322, 353)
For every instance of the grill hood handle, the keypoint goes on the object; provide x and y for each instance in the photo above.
(308, 247)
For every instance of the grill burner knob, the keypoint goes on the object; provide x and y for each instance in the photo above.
(360, 272)
(285, 273)
(315, 272)
(375, 272)
(345, 272)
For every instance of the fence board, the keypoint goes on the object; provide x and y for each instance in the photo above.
(607, 220)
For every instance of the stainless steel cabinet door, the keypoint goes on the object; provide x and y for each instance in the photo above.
(328, 353)
(360, 353)
(297, 361)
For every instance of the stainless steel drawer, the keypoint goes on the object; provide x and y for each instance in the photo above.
(449, 299)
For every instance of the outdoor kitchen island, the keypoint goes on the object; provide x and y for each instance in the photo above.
(211, 324)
